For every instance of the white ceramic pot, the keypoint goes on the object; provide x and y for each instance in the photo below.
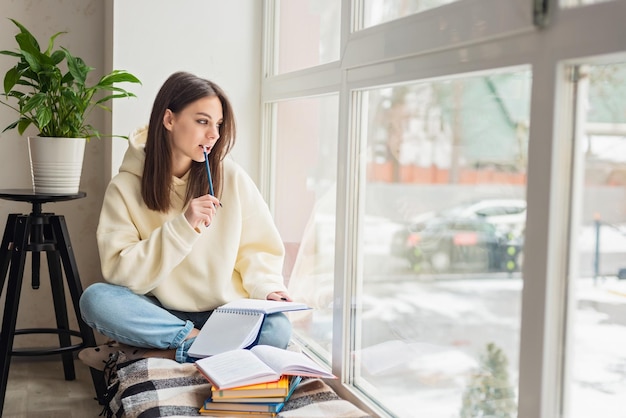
(56, 164)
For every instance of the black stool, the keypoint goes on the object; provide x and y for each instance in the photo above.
(41, 232)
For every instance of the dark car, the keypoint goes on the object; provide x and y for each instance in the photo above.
(458, 245)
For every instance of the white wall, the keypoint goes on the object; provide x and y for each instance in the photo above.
(218, 40)
(84, 22)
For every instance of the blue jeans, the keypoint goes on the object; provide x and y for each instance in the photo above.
(141, 321)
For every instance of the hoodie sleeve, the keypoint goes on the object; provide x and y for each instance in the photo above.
(127, 258)
(261, 251)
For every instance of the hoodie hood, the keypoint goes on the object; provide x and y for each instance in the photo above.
(135, 156)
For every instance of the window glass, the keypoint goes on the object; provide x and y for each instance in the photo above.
(598, 323)
(308, 34)
(574, 3)
(439, 308)
(380, 11)
(305, 179)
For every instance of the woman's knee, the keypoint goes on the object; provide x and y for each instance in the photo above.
(89, 301)
(276, 330)
(98, 300)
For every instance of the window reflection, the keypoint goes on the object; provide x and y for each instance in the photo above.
(443, 232)
(306, 165)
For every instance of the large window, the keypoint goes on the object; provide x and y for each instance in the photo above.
(446, 177)
(442, 239)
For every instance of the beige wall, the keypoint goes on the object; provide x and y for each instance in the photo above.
(151, 38)
(83, 20)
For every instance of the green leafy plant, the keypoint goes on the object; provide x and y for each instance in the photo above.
(49, 90)
(489, 394)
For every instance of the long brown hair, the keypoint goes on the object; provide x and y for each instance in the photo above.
(178, 91)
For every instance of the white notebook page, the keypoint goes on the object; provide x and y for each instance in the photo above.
(225, 331)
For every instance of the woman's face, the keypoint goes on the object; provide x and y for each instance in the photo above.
(191, 129)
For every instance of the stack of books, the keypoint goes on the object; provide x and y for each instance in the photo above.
(254, 382)
(258, 400)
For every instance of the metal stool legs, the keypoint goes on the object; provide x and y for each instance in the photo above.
(11, 253)
(59, 228)
(36, 233)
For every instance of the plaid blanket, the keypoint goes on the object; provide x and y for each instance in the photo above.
(158, 387)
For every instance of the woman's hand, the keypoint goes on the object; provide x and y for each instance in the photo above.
(279, 296)
(201, 211)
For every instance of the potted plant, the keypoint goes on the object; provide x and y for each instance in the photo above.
(48, 89)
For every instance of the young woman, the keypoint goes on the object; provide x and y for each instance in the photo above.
(170, 251)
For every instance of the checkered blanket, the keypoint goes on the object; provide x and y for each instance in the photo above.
(158, 387)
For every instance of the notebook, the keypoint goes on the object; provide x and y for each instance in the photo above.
(236, 325)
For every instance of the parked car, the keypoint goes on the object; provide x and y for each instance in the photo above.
(507, 215)
(456, 244)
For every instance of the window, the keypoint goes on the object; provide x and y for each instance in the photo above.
(574, 3)
(457, 186)
(441, 284)
(380, 11)
(305, 198)
(307, 32)
(598, 366)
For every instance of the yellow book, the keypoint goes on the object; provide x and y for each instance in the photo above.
(216, 398)
(278, 388)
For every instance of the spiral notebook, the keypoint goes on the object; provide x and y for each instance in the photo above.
(236, 325)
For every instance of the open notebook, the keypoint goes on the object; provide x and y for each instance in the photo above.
(236, 325)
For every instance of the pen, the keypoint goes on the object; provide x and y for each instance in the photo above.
(208, 170)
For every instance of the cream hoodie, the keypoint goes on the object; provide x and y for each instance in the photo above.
(239, 255)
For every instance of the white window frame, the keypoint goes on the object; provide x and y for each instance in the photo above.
(500, 34)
